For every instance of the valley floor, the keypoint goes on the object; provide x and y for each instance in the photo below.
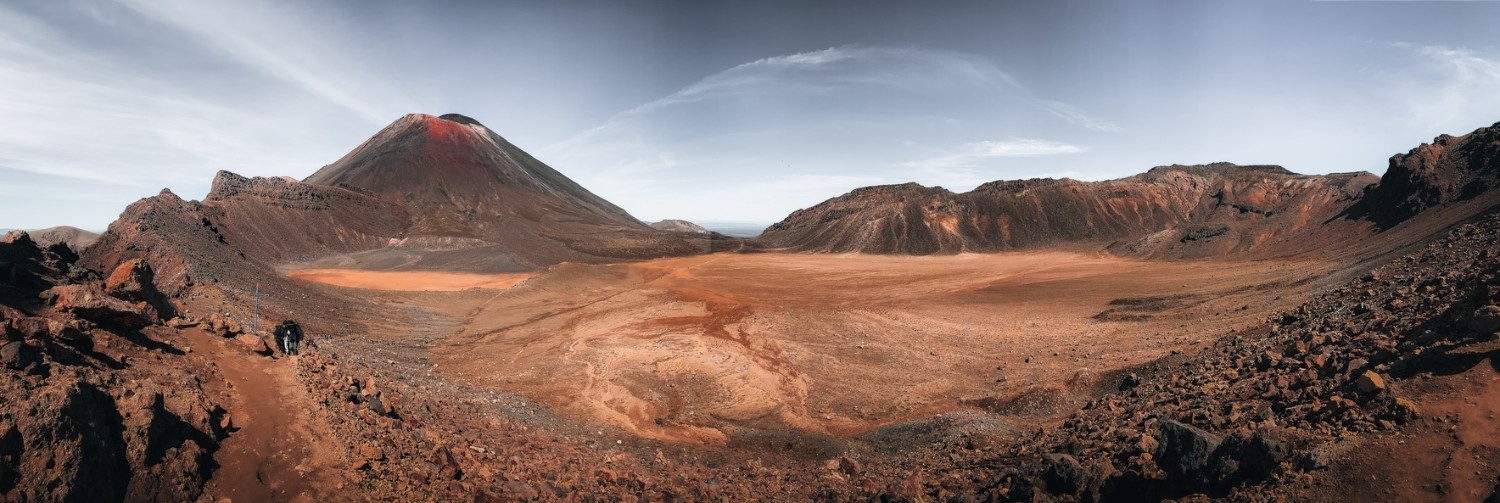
(753, 348)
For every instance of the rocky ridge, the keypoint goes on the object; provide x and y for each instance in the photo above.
(1167, 212)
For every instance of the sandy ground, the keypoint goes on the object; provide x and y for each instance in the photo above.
(719, 348)
(412, 281)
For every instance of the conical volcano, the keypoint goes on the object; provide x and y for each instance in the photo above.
(456, 178)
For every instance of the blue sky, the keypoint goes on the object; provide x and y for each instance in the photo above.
(725, 112)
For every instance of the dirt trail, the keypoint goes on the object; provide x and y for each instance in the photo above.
(278, 451)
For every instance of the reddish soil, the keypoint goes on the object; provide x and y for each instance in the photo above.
(1454, 445)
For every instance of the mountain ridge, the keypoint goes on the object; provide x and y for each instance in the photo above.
(1114, 214)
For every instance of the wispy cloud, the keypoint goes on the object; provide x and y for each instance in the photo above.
(982, 153)
(278, 44)
(1449, 86)
(1020, 148)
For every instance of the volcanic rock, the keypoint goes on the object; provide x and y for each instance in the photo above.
(1185, 450)
(80, 431)
(1486, 319)
(27, 269)
(16, 355)
(135, 281)
(91, 303)
(1064, 475)
(1370, 382)
(1450, 169)
(254, 343)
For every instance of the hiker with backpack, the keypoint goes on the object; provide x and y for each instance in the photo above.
(289, 337)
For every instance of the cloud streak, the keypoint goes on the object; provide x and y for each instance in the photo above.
(1452, 85)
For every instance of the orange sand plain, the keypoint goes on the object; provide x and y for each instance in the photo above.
(409, 281)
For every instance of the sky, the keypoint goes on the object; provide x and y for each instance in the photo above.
(725, 112)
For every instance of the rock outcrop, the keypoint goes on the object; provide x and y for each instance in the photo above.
(81, 419)
(1451, 169)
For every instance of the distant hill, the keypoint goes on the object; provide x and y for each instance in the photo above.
(76, 238)
(736, 229)
(675, 225)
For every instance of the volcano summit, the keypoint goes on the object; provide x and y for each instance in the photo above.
(456, 178)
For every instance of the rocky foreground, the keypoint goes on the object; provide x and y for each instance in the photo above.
(102, 408)
(1268, 412)
(92, 406)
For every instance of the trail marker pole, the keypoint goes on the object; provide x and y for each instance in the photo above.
(255, 322)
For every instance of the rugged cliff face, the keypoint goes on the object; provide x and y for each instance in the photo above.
(177, 238)
(1450, 169)
(1170, 211)
(280, 219)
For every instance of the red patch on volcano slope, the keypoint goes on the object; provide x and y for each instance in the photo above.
(453, 145)
(443, 130)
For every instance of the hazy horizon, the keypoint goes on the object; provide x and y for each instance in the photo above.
(724, 112)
